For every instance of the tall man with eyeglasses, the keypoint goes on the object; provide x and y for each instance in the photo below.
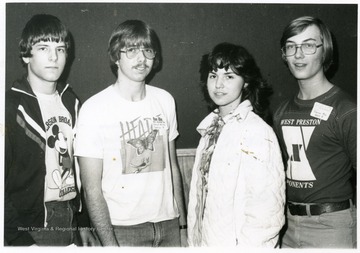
(317, 130)
(126, 149)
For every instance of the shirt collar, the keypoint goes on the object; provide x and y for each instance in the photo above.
(22, 85)
(240, 113)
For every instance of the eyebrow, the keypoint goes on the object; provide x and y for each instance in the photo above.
(40, 43)
(307, 40)
(226, 73)
(45, 43)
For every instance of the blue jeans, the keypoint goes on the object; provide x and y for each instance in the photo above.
(159, 234)
(328, 230)
(61, 229)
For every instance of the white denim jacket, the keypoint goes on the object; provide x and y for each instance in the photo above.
(246, 184)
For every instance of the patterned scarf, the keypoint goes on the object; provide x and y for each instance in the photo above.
(212, 134)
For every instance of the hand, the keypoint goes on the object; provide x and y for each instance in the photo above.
(183, 238)
(87, 238)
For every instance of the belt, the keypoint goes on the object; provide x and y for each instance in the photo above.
(317, 209)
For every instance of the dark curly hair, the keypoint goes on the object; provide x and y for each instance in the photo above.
(227, 55)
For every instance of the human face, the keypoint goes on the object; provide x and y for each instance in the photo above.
(306, 67)
(225, 89)
(47, 62)
(135, 69)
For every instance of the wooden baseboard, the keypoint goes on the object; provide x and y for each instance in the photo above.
(186, 152)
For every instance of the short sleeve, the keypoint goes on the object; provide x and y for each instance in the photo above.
(173, 126)
(88, 139)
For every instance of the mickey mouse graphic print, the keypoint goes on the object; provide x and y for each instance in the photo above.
(60, 178)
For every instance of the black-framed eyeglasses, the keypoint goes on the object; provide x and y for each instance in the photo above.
(132, 52)
(307, 48)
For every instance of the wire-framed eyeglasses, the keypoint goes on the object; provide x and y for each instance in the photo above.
(307, 48)
(131, 52)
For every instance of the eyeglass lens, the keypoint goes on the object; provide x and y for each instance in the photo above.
(306, 48)
(148, 52)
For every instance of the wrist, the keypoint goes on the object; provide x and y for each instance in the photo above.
(183, 227)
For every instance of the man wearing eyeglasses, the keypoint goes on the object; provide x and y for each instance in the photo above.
(126, 149)
(317, 130)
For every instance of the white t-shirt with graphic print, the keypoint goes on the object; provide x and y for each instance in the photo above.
(132, 139)
(60, 179)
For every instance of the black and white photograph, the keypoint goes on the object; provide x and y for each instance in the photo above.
(185, 125)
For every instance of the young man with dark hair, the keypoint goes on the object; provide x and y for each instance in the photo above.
(42, 196)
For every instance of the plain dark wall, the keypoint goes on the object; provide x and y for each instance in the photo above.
(186, 31)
